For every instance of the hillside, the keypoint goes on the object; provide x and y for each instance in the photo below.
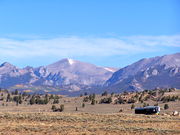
(72, 77)
(66, 74)
(162, 72)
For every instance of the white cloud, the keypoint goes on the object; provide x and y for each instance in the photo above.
(173, 41)
(78, 46)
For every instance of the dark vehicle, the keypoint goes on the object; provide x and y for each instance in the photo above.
(148, 110)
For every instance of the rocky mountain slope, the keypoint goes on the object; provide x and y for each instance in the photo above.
(66, 74)
(149, 73)
(73, 76)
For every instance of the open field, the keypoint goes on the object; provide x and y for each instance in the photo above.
(98, 108)
(99, 119)
(85, 124)
(91, 119)
(70, 104)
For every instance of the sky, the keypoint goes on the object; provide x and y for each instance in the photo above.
(112, 33)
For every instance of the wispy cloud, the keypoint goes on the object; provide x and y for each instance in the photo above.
(81, 46)
(172, 41)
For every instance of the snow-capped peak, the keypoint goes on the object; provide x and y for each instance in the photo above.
(71, 61)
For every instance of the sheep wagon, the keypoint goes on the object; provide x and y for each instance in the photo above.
(148, 110)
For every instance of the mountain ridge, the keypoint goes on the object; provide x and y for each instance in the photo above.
(128, 75)
(68, 75)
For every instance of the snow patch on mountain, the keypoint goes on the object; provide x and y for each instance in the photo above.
(109, 69)
(71, 61)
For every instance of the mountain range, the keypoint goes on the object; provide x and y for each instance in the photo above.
(162, 72)
(69, 76)
(66, 74)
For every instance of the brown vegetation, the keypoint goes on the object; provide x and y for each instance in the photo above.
(22, 113)
(84, 123)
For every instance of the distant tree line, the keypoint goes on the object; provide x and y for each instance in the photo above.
(20, 97)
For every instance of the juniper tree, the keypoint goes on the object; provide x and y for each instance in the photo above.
(61, 109)
(166, 106)
(83, 105)
(17, 99)
(56, 101)
(106, 100)
(16, 92)
(32, 100)
(53, 107)
(112, 94)
(132, 106)
(8, 97)
(93, 102)
(105, 93)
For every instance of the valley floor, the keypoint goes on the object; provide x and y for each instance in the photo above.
(70, 105)
(97, 119)
(13, 123)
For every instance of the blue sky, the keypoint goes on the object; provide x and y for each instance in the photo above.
(103, 32)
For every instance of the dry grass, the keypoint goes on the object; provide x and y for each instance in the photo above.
(72, 103)
(85, 123)
(95, 119)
